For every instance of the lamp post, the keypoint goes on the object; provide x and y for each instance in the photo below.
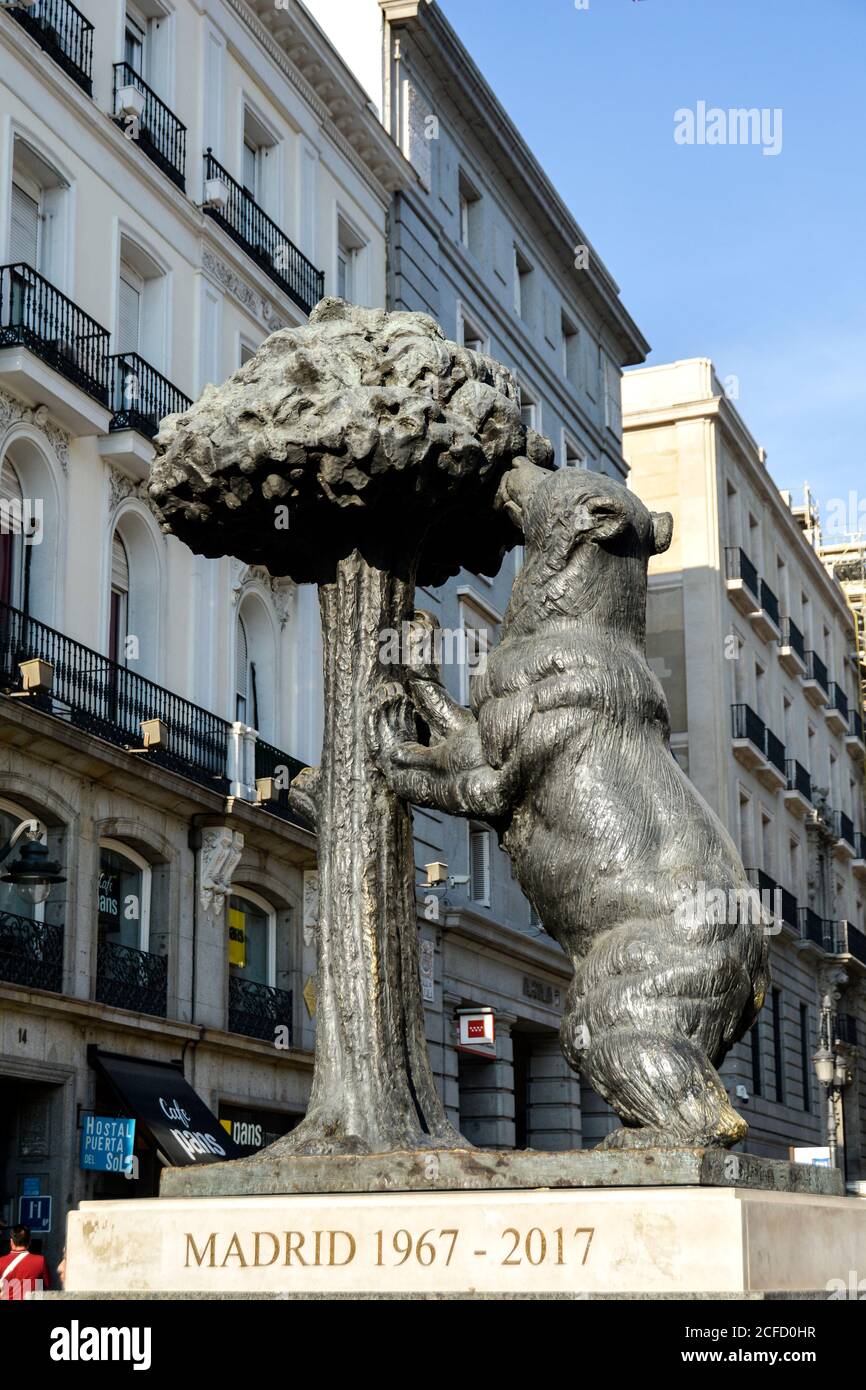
(830, 1069)
(32, 874)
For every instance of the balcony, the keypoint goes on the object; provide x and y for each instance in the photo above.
(274, 771)
(858, 863)
(141, 397)
(149, 123)
(31, 953)
(836, 938)
(741, 580)
(815, 682)
(854, 740)
(233, 209)
(846, 841)
(257, 1011)
(836, 710)
(792, 648)
(774, 774)
(765, 618)
(62, 31)
(798, 794)
(769, 893)
(790, 909)
(130, 979)
(846, 1029)
(749, 735)
(814, 929)
(39, 328)
(851, 941)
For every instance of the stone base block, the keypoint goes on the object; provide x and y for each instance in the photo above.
(571, 1243)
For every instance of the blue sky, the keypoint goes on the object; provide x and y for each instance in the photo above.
(756, 261)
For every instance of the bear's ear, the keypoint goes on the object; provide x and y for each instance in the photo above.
(663, 530)
(517, 486)
(604, 517)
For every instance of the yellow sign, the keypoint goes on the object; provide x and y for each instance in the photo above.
(309, 992)
(237, 937)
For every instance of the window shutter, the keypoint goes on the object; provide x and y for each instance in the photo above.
(24, 241)
(479, 864)
(250, 169)
(241, 670)
(129, 315)
(119, 566)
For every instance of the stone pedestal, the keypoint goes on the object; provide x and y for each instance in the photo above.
(463, 1223)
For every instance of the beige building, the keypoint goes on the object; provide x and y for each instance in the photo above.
(755, 645)
(176, 181)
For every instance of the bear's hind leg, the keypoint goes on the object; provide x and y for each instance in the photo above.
(664, 1088)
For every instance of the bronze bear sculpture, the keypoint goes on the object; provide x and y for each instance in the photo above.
(565, 752)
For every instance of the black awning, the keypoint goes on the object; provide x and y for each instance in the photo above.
(159, 1097)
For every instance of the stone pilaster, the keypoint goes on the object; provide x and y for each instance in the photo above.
(487, 1092)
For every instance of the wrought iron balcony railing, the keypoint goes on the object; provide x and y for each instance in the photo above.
(249, 225)
(739, 566)
(131, 979)
(812, 927)
(775, 750)
(857, 724)
(141, 396)
(837, 699)
(257, 1011)
(31, 953)
(790, 908)
(769, 602)
(845, 829)
(271, 762)
(799, 780)
(748, 724)
(157, 131)
(817, 671)
(35, 315)
(861, 845)
(111, 701)
(792, 637)
(846, 1029)
(855, 942)
(62, 31)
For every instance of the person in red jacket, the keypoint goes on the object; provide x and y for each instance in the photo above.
(20, 1272)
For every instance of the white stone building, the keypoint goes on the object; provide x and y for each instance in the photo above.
(755, 645)
(175, 182)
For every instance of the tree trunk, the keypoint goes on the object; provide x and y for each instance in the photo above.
(373, 1089)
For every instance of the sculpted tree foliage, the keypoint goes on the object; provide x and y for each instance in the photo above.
(361, 453)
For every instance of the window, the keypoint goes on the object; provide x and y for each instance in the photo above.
(479, 864)
(129, 309)
(469, 206)
(612, 395)
(245, 678)
(768, 857)
(24, 243)
(805, 1060)
(522, 273)
(146, 43)
(349, 258)
(134, 36)
(571, 351)
(259, 172)
(572, 454)
(124, 896)
(478, 633)
(528, 411)
(141, 312)
(12, 548)
(245, 352)
(37, 227)
(747, 848)
(755, 1037)
(118, 630)
(469, 333)
(778, 1047)
(252, 938)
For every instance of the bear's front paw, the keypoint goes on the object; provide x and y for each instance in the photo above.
(390, 721)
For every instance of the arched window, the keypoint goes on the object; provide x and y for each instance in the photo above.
(252, 938)
(11, 900)
(255, 666)
(11, 539)
(124, 896)
(245, 692)
(119, 611)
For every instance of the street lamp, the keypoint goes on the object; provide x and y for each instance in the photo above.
(831, 1069)
(32, 874)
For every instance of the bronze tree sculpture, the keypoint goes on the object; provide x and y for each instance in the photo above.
(566, 752)
(381, 446)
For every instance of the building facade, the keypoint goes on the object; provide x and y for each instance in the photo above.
(482, 241)
(177, 181)
(755, 646)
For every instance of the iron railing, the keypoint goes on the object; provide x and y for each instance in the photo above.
(31, 953)
(35, 315)
(257, 1011)
(249, 225)
(748, 724)
(817, 671)
(857, 724)
(799, 780)
(845, 829)
(739, 566)
(769, 602)
(790, 908)
(836, 937)
(846, 1029)
(792, 637)
(141, 396)
(109, 700)
(272, 762)
(861, 845)
(855, 942)
(838, 700)
(812, 927)
(130, 979)
(157, 132)
(775, 750)
(62, 31)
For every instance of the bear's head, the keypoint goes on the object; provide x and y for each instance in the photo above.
(588, 540)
